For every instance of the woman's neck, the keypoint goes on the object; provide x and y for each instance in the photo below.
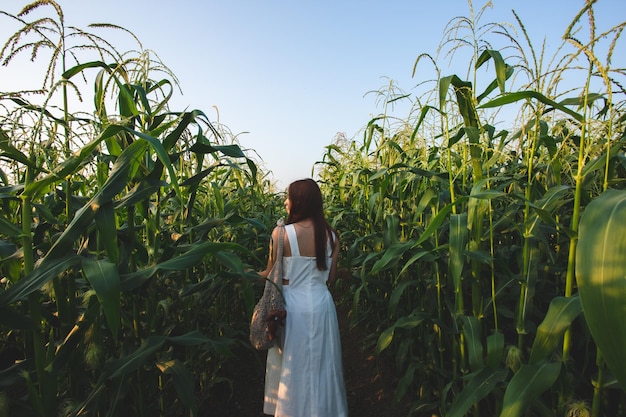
(306, 223)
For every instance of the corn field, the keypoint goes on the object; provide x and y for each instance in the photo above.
(488, 262)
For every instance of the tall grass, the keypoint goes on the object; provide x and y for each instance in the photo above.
(462, 235)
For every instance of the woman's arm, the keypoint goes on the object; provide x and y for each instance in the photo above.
(272, 257)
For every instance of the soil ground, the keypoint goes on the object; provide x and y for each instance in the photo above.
(369, 380)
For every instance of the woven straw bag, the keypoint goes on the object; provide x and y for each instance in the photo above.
(268, 317)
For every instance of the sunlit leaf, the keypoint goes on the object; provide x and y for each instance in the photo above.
(509, 98)
(478, 386)
(407, 322)
(561, 313)
(434, 224)
(527, 385)
(600, 275)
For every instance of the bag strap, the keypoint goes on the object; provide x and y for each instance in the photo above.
(292, 239)
(278, 275)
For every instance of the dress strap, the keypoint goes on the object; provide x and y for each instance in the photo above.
(293, 240)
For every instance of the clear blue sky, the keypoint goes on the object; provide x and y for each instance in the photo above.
(287, 76)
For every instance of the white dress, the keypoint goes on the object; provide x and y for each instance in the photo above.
(305, 379)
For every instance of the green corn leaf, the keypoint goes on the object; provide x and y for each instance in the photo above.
(527, 385)
(139, 193)
(600, 275)
(385, 339)
(192, 338)
(378, 174)
(495, 84)
(218, 199)
(253, 169)
(509, 98)
(9, 151)
(9, 229)
(458, 240)
(406, 382)
(473, 341)
(81, 67)
(126, 100)
(107, 231)
(99, 100)
(473, 136)
(39, 109)
(495, 350)
(416, 257)
(191, 257)
(391, 231)
(487, 194)
(500, 65)
(159, 88)
(135, 360)
(83, 218)
(43, 273)
(161, 153)
(66, 351)
(599, 162)
(185, 119)
(391, 256)
(579, 101)
(444, 86)
(480, 384)
(477, 205)
(70, 166)
(196, 179)
(454, 139)
(423, 113)
(105, 280)
(411, 321)
(183, 382)
(407, 322)
(142, 97)
(16, 320)
(561, 313)
(231, 261)
(234, 151)
(438, 221)
(397, 293)
(14, 374)
(463, 92)
(427, 196)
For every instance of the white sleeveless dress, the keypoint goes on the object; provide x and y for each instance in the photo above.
(305, 379)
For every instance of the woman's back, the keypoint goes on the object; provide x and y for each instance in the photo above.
(300, 268)
(306, 239)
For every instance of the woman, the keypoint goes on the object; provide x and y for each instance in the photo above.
(305, 378)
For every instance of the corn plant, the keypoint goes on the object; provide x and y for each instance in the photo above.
(465, 234)
(124, 230)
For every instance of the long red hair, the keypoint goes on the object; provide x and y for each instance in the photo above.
(306, 203)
